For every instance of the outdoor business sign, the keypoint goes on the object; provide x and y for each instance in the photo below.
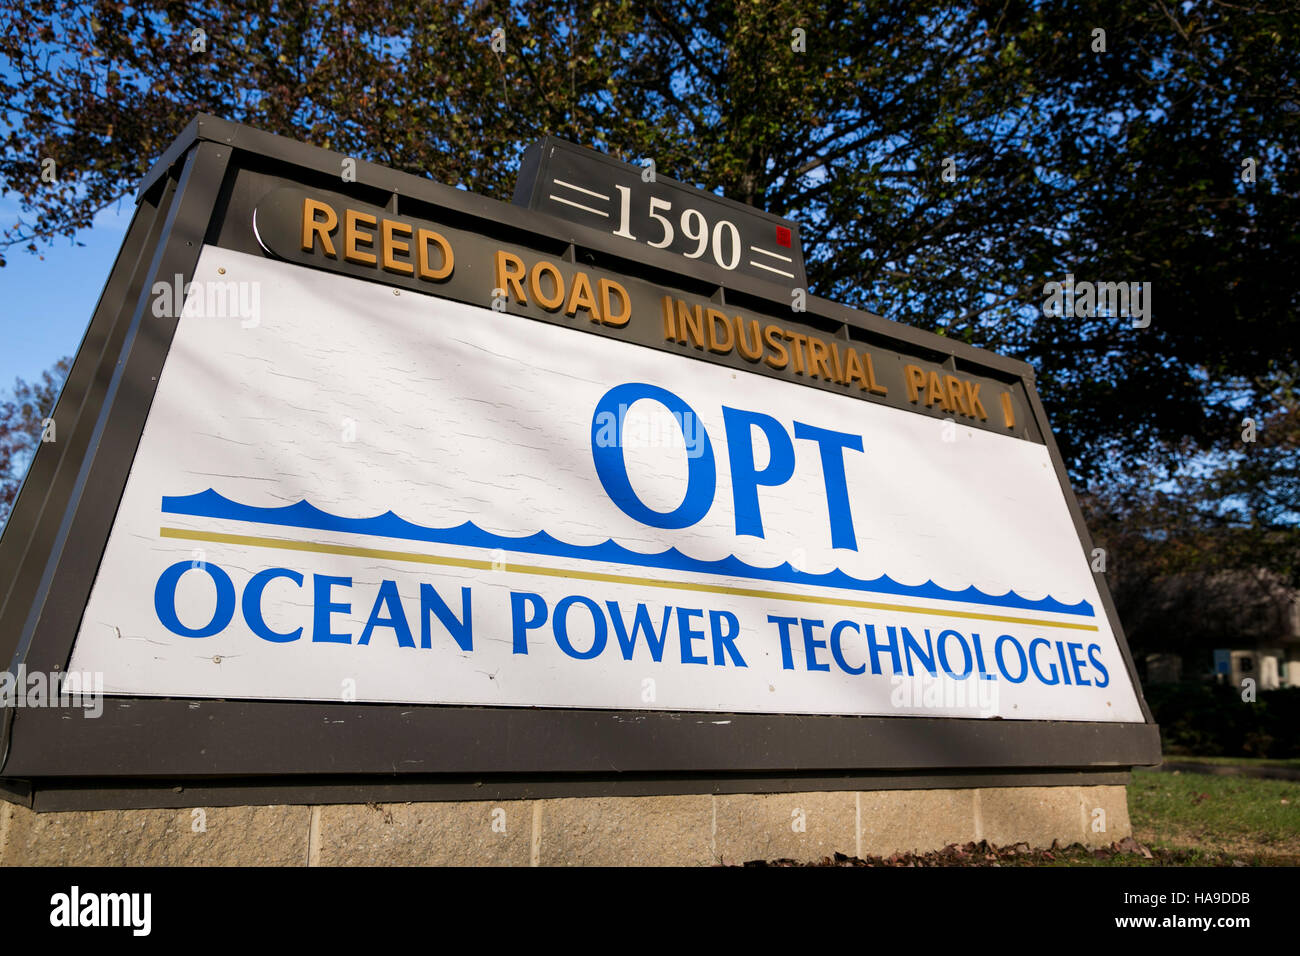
(392, 457)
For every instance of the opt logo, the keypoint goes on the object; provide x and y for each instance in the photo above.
(746, 476)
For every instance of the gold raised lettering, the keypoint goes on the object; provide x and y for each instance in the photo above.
(423, 238)
(548, 302)
(352, 234)
(510, 271)
(313, 227)
(391, 244)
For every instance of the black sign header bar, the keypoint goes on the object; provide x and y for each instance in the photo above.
(628, 202)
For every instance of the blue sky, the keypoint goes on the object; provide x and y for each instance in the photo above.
(46, 298)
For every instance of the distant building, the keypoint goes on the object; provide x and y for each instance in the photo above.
(1220, 626)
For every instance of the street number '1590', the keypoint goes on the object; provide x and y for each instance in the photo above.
(693, 226)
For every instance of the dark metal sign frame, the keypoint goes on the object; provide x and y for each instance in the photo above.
(187, 752)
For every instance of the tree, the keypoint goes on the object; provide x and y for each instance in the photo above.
(1208, 556)
(945, 161)
(23, 421)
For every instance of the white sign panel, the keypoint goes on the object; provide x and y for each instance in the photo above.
(343, 493)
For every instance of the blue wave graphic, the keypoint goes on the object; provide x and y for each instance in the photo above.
(303, 514)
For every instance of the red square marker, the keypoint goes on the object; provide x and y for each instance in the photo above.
(783, 236)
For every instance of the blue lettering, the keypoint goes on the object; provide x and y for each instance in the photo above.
(1060, 652)
(745, 477)
(783, 623)
(640, 624)
(910, 644)
(838, 653)
(1033, 660)
(431, 602)
(520, 624)
(1076, 662)
(725, 643)
(943, 654)
(560, 623)
(320, 631)
(689, 635)
(164, 599)
(810, 646)
(832, 445)
(611, 466)
(875, 648)
(1002, 664)
(979, 658)
(252, 603)
(396, 618)
(1093, 651)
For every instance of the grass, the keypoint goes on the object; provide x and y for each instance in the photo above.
(1293, 763)
(1202, 819)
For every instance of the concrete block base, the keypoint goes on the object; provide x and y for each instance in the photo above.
(695, 830)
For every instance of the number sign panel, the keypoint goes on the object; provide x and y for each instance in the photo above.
(597, 191)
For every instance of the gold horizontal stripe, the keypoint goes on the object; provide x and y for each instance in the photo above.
(415, 557)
